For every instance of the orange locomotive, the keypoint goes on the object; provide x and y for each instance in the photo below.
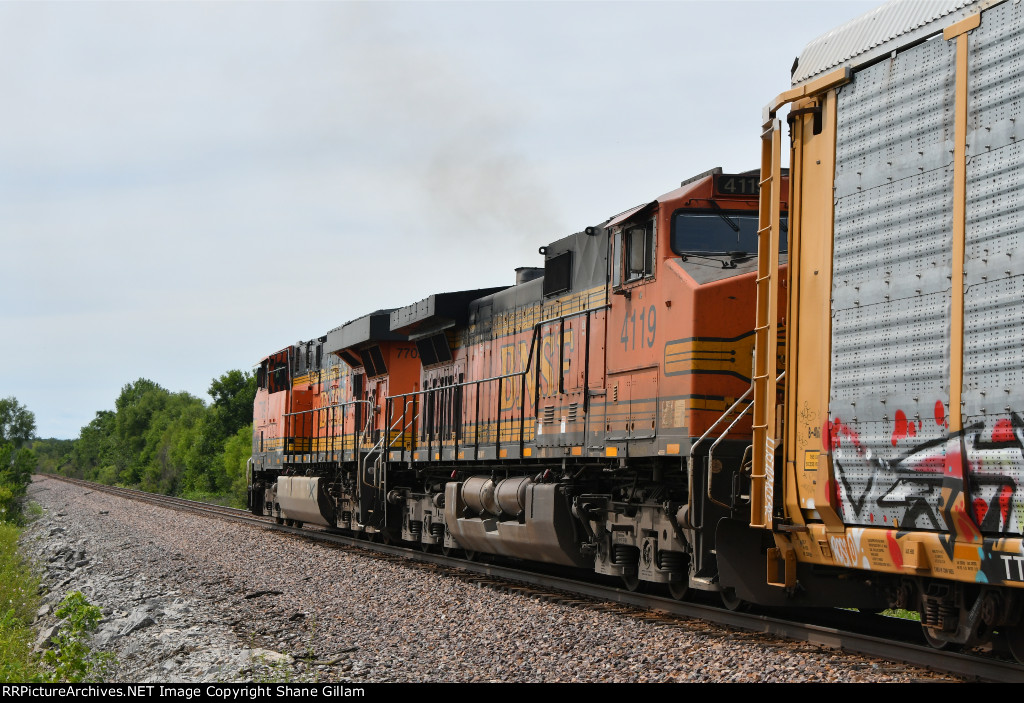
(593, 414)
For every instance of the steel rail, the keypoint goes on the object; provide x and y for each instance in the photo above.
(967, 665)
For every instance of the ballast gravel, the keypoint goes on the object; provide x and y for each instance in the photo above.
(194, 599)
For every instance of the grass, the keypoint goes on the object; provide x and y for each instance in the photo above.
(19, 600)
(904, 614)
(69, 659)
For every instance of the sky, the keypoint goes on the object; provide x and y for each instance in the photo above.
(186, 187)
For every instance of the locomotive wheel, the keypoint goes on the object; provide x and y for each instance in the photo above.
(730, 600)
(679, 590)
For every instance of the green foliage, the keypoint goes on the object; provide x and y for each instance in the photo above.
(902, 614)
(54, 454)
(167, 442)
(71, 658)
(17, 463)
(233, 395)
(18, 604)
(17, 424)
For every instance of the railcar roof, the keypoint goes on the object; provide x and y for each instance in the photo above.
(887, 28)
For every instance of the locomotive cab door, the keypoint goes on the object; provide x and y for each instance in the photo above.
(632, 319)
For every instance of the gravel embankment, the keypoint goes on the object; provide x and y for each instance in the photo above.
(190, 599)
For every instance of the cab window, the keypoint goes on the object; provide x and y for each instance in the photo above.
(718, 232)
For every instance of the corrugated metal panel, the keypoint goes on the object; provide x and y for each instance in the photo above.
(881, 31)
(891, 288)
(993, 392)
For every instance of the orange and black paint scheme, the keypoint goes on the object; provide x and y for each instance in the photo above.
(568, 418)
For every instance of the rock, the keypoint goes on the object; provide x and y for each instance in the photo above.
(46, 635)
(138, 620)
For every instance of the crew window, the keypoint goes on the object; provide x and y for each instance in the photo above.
(719, 232)
(278, 377)
(639, 250)
(617, 259)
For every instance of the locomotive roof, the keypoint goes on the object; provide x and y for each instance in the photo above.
(684, 187)
(892, 26)
(437, 312)
(368, 328)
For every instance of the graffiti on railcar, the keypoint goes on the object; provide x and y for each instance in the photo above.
(914, 474)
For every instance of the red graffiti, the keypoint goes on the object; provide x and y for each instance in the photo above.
(903, 428)
(955, 464)
(833, 433)
(895, 553)
(1003, 432)
(1005, 494)
(935, 464)
(980, 509)
(940, 413)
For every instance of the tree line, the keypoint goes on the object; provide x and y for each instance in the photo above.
(164, 442)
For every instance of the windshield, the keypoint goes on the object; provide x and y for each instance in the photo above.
(718, 232)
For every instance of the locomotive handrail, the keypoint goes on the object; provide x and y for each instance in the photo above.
(359, 432)
(379, 445)
(721, 418)
(711, 452)
(534, 350)
(406, 426)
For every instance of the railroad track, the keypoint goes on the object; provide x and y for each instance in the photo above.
(871, 635)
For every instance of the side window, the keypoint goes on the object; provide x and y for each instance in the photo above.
(617, 259)
(639, 251)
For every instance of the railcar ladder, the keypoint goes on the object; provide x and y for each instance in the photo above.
(762, 479)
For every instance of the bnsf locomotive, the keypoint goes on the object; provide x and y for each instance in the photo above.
(800, 388)
(552, 420)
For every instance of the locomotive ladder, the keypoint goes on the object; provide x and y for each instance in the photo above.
(762, 479)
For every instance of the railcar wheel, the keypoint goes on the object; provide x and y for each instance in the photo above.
(679, 590)
(471, 555)
(288, 522)
(631, 582)
(1015, 641)
(426, 547)
(298, 524)
(279, 520)
(730, 600)
(446, 550)
(938, 643)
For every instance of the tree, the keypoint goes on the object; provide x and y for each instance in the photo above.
(17, 423)
(233, 395)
